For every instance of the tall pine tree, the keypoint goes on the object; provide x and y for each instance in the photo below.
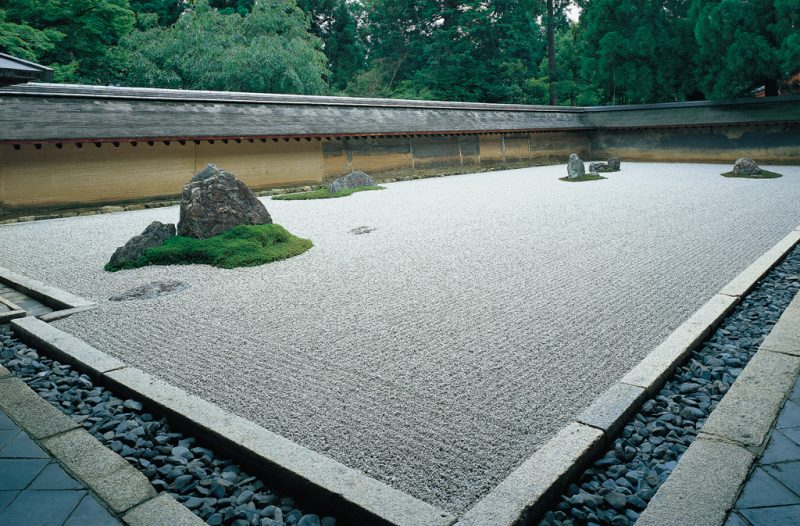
(334, 21)
(638, 51)
(745, 45)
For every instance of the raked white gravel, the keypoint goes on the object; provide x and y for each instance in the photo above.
(439, 351)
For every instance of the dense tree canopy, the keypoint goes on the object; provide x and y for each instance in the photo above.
(74, 37)
(619, 51)
(743, 45)
(267, 50)
(334, 21)
(457, 50)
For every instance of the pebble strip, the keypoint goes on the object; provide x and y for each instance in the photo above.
(215, 488)
(619, 485)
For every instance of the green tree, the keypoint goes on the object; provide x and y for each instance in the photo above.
(229, 7)
(167, 11)
(268, 50)
(74, 37)
(454, 50)
(572, 88)
(334, 21)
(745, 45)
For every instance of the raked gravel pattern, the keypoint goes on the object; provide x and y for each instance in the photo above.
(440, 350)
(214, 487)
(619, 485)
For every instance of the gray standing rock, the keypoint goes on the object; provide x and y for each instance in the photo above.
(351, 180)
(154, 235)
(614, 163)
(214, 201)
(575, 167)
(745, 166)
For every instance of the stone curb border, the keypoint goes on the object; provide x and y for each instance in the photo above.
(15, 311)
(120, 486)
(352, 494)
(706, 482)
(528, 491)
(61, 301)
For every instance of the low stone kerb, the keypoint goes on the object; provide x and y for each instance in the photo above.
(703, 487)
(530, 487)
(745, 414)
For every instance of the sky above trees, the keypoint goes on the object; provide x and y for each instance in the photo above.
(616, 52)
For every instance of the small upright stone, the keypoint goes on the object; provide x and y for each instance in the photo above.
(351, 180)
(614, 163)
(575, 167)
(746, 167)
(154, 235)
(214, 201)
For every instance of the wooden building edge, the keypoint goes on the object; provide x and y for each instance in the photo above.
(68, 146)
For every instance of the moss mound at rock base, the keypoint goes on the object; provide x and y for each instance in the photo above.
(241, 246)
(582, 178)
(324, 193)
(762, 174)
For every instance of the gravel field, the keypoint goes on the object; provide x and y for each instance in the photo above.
(440, 350)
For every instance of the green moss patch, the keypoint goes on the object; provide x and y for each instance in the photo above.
(762, 174)
(242, 246)
(324, 193)
(587, 177)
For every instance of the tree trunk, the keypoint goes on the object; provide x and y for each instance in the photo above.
(551, 53)
(771, 88)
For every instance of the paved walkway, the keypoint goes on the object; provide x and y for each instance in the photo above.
(771, 496)
(36, 491)
(32, 306)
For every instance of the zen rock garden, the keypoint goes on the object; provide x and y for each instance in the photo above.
(340, 187)
(222, 223)
(576, 171)
(748, 169)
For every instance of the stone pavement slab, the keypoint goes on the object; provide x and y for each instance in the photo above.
(771, 495)
(36, 491)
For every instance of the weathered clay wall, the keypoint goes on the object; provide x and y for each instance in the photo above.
(52, 177)
(117, 152)
(765, 143)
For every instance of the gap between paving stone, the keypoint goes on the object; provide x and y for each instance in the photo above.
(117, 484)
(527, 492)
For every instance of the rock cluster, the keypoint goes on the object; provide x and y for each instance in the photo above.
(214, 201)
(612, 165)
(351, 180)
(154, 235)
(621, 483)
(575, 167)
(746, 167)
(214, 487)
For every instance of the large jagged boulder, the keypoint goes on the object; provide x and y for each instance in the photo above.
(351, 180)
(746, 167)
(214, 201)
(575, 167)
(154, 235)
